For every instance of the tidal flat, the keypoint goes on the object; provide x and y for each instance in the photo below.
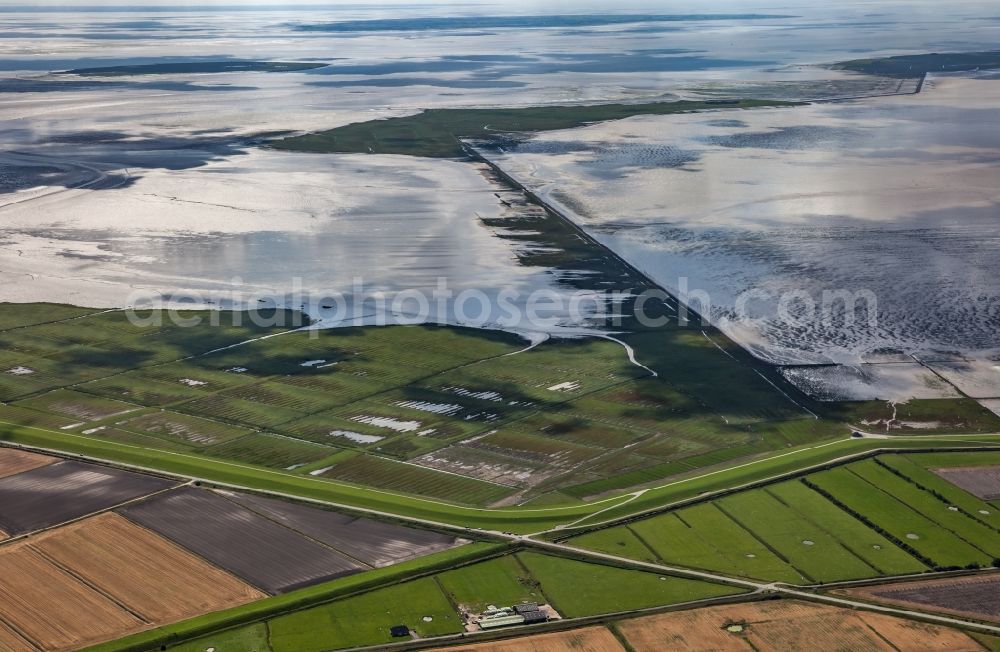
(156, 183)
(891, 198)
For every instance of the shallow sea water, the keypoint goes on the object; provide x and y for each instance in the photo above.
(894, 201)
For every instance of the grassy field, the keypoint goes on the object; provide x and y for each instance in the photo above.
(935, 543)
(568, 415)
(944, 460)
(768, 466)
(501, 582)
(29, 417)
(579, 411)
(77, 405)
(436, 412)
(875, 517)
(948, 516)
(407, 478)
(910, 468)
(272, 451)
(818, 554)
(578, 588)
(195, 431)
(991, 643)
(366, 619)
(620, 541)
(251, 638)
(705, 537)
(19, 315)
(430, 604)
(436, 132)
(866, 543)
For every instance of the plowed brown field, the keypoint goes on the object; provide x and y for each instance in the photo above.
(588, 639)
(53, 609)
(974, 596)
(13, 461)
(980, 481)
(11, 642)
(152, 576)
(778, 626)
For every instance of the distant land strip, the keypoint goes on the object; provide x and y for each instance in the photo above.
(491, 22)
(193, 67)
(437, 133)
(918, 65)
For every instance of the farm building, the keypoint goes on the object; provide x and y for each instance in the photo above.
(501, 621)
(532, 617)
(519, 614)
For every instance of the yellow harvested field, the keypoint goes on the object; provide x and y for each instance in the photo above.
(151, 576)
(587, 639)
(801, 626)
(100, 579)
(14, 461)
(53, 609)
(780, 625)
(911, 635)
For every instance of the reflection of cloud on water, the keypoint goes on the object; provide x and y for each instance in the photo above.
(262, 224)
(612, 160)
